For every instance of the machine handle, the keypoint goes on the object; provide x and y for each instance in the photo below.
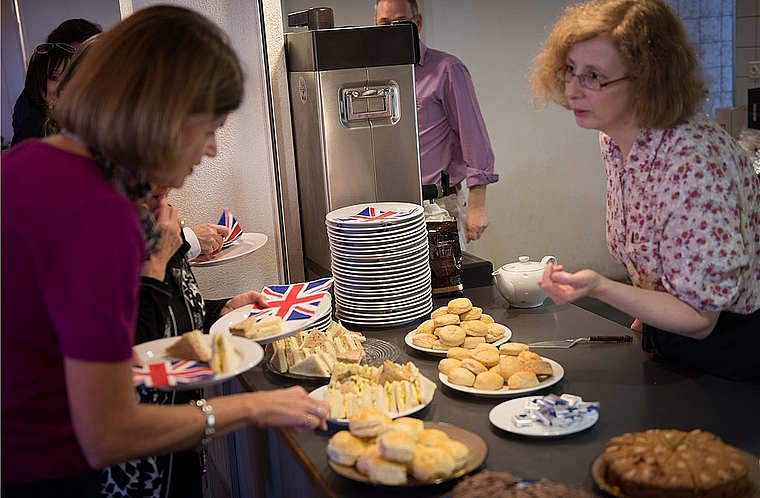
(358, 103)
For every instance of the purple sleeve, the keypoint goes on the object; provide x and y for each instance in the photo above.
(91, 285)
(463, 113)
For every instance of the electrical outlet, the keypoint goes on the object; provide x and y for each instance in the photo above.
(754, 69)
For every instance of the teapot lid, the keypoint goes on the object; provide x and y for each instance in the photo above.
(524, 264)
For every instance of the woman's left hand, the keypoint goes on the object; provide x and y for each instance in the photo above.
(250, 297)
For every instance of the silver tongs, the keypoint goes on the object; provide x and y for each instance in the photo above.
(568, 343)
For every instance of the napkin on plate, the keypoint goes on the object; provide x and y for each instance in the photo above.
(235, 232)
(171, 373)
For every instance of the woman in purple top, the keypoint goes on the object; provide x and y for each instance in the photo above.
(69, 309)
(683, 200)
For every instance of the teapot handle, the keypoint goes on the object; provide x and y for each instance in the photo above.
(549, 259)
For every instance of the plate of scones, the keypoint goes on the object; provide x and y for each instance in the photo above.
(458, 324)
(509, 370)
(404, 452)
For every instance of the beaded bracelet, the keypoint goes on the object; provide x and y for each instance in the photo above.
(208, 412)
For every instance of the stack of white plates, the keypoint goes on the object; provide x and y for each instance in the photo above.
(325, 319)
(380, 263)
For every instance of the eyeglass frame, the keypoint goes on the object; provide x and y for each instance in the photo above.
(413, 19)
(46, 48)
(562, 72)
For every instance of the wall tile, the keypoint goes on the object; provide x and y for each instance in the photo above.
(745, 32)
(689, 10)
(740, 91)
(746, 8)
(743, 57)
(709, 29)
(727, 28)
(709, 8)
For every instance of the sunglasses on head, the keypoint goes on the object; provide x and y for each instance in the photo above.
(48, 47)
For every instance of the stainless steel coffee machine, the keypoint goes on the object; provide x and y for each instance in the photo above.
(353, 106)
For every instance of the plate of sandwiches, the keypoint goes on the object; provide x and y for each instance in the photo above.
(193, 360)
(393, 389)
(405, 452)
(512, 376)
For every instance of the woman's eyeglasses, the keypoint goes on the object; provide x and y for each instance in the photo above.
(588, 80)
(49, 47)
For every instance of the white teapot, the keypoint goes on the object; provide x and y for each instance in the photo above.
(518, 282)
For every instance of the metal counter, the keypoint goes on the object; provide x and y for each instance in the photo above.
(636, 393)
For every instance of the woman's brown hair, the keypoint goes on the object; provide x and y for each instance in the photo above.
(143, 78)
(653, 44)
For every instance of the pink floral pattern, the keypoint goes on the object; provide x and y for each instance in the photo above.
(683, 215)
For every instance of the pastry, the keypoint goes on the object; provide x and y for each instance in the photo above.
(486, 318)
(473, 365)
(488, 381)
(509, 365)
(447, 319)
(439, 311)
(426, 327)
(451, 335)
(344, 448)
(461, 376)
(513, 348)
(522, 380)
(675, 464)
(486, 356)
(361, 462)
(430, 463)
(458, 451)
(459, 353)
(494, 332)
(473, 314)
(367, 422)
(472, 342)
(407, 425)
(475, 328)
(539, 367)
(382, 471)
(460, 305)
(447, 364)
(526, 356)
(432, 437)
(424, 340)
(396, 446)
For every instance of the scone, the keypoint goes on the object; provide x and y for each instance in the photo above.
(475, 328)
(369, 451)
(426, 327)
(447, 319)
(344, 448)
(439, 346)
(473, 314)
(527, 356)
(430, 464)
(458, 451)
(473, 365)
(513, 348)
(407, 425)
(508, 366)
(488, 381)
(486, 318)
(461, 377)
(495, 332)
(459, 353)
(472, 342)
(439, 311)
(424, 340)
(451, 335)
(539, 367)
(460, 305)
(396, 446)
(367, 422)
(432, 437)
(487, 357)
(382, 471)
(446, 365)
(522, 380)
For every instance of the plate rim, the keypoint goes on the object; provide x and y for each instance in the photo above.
(508, 392)
(591, 417)
(468, 469)
(223, 323)
(251, 354)
(438, 352)
(257, 241)
(416, 211)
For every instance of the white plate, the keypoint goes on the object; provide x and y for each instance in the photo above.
(319, 393)
(289, 327)
(245, 244)
(438, 352)
(501, 416)
(404, 212)
(559, 372)
(247, 353)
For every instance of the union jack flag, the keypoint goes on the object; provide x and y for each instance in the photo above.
(171, 373)
(232, 225)
(370, 213)
(293, 302)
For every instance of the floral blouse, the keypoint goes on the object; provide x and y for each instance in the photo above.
(683, 215)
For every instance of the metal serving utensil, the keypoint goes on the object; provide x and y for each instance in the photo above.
(568, 343)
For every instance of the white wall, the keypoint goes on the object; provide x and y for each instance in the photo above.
(551, 194)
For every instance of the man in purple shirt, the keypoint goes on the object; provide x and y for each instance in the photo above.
(452, 133)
